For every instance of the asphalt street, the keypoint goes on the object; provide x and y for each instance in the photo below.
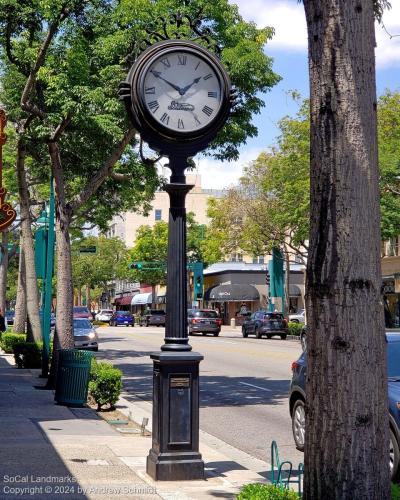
(243, 383)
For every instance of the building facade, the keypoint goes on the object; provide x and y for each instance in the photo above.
(390, 253)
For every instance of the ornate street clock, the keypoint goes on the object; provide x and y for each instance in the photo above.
(178, 95)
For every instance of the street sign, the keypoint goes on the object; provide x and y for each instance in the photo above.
(92, 249)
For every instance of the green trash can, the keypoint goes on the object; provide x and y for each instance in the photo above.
(73, 377)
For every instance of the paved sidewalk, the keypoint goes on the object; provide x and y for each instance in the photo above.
(49, 451)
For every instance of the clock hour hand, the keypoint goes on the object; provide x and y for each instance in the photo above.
(157, 74)
(185, 89)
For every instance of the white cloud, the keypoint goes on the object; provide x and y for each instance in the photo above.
(388, 49)
(288, 19)
(219, 175)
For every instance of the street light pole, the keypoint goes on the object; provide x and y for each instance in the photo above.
(47, 296)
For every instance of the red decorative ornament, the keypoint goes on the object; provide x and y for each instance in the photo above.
(7, 213)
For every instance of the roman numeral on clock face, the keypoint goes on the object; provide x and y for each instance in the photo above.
(207, 77)
(166, 62)
(150, 90)
(212, 94)
(207, 110)
(180, 124)
(153, 105)
(165, 118)
(182, 60)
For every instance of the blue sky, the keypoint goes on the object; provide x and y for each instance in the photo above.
(289, 51)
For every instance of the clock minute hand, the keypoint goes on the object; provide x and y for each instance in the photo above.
(185, 89)
(157, 74)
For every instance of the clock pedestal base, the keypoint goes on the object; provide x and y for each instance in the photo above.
(174, 455)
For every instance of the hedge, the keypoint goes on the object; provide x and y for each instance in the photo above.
(8, 340)
(28, 354)
(295, 328)
(105, 383)
(258, 491)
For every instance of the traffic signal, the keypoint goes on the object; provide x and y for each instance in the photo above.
(136, 265)
(267, 278)
(198, 280)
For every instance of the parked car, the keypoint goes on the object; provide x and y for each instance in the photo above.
(10, 317)
(303, 338)
(299, 317)
(204, 321)
(104, 315)
(82, 312)
(265, 323)
(124, 318)
(153, 317)
(297, 398)
(85, 336)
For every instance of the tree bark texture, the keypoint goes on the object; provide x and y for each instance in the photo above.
(65, 291)
(32, 291)
(20, 306)
(346, 454)
(3, 272)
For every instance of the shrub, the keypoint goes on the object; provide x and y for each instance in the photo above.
(295, 328)
(105, 383)
(395, 492)
(98, 323)
(260, 491)
(8, 340)
(28, 354)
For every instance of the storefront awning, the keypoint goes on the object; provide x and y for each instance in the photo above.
(232, 293)
(123, 301)
(141, 298)
(294, 291)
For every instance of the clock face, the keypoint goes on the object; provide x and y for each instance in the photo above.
(182, 91)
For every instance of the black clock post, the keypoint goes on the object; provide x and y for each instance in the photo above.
(175, 443)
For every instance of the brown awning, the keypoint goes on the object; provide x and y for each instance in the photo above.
(124, 301)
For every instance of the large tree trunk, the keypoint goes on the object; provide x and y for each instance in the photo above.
(20, 306)
(347, 447)
(64, 335)
(65, 290)
(32, 292)
(3, 272)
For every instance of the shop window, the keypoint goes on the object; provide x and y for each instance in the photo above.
(157, 214)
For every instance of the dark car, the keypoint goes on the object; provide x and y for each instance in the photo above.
(82, 312)
(124, 318)
(297, 399)
(154, 317)
(85, 336)
(265, 323)
(204, 321)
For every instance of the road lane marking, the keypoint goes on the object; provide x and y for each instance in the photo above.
(256, 386)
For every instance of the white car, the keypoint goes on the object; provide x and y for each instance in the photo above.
(104, 315)
(299, 317)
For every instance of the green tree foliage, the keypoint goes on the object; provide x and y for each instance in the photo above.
(389, 162)
(151, 246)
(270, 206)
(97, 269)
